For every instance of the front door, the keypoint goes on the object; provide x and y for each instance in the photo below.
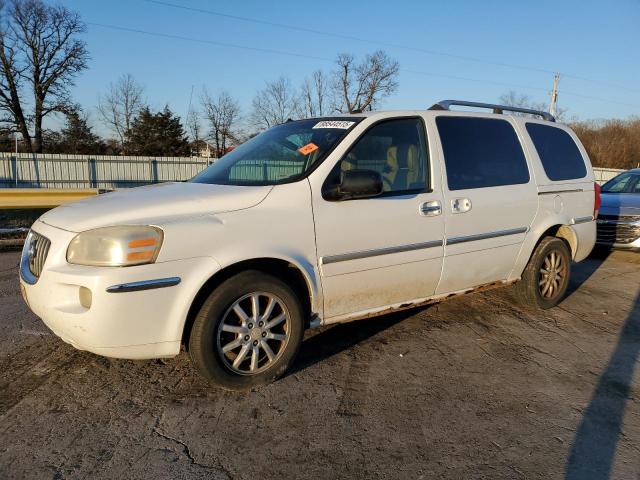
(385, 250)
(490, 200)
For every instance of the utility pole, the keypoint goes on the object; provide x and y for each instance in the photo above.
(554, 94)
(16, 157)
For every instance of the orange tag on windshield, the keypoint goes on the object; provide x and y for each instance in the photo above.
(308, 148)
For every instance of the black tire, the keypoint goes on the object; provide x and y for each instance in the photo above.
(206, 338)
(534, 289)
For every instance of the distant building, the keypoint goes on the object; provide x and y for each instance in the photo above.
(202, 149)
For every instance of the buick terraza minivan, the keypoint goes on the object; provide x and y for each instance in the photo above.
(315, 222)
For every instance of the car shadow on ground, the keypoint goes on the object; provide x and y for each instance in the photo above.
(594, 446)
(338, 338)
(587, 268)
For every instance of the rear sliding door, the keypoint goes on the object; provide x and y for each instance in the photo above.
(490, 199)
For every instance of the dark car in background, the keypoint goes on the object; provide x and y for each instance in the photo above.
(619, 219)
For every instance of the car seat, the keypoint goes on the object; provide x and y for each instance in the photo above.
(402, 168)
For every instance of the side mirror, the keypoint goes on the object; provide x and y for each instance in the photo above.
(358, 183)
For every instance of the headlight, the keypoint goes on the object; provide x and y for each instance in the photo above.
(121, 246)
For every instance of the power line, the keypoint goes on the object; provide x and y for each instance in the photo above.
(288, 53)
(511, 85)
(341, 36)
(323, 59)
(385, 44)
(209, 42)
(468, 79)
(590, 97)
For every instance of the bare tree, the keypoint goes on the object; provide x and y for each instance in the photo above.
(194, 128)
(515, 99)
(38, 50)
(361, 85)
(120, 106)
(223, 113)
(316, 98)
(274, 104)
(522, 100)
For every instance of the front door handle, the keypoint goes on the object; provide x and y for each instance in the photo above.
(430, 209)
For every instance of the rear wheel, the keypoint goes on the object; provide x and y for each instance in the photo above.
(545, 279)
(248, 331)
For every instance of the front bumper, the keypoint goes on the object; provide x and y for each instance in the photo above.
(635, 245)
(123, 323)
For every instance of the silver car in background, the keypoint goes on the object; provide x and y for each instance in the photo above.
(619, 218)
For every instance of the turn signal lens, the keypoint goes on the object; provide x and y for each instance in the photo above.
(119, 246)
(597, 201)
(135, 256)
(145, 242)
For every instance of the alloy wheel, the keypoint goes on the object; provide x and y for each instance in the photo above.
(553, 273)
(253, 333)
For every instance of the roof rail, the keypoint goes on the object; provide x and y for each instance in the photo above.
(445, 104)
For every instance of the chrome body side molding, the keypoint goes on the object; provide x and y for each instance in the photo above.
(418, 246)
(583, 219)
(379, 251)
(484, 236)
(144, 285)
(553, 192)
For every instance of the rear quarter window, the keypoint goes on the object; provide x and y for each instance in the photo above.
(481, 152)
(559, 154)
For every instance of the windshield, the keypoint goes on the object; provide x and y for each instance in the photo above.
(282, 154)
(624, 183)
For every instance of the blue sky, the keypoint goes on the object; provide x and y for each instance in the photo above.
(594, 45)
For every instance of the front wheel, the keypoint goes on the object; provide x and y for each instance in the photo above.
(546, 278)
(248, 331)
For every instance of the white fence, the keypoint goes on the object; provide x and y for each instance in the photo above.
(26, 170)
(603, 175)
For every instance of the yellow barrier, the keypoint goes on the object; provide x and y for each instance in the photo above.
(19, 198)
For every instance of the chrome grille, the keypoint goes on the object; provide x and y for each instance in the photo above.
(618, 229)
(620, 218)
(36, 252)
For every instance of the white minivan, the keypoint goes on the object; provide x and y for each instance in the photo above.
(315, 222)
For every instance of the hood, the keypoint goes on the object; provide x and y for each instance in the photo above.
(150, 204)
(620, 203)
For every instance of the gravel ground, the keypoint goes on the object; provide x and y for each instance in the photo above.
(471, 388)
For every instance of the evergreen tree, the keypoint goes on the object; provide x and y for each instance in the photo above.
(77, 137)
(160, 134)
(7, 140)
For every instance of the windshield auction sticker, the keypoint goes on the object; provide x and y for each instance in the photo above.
(343, 124)
(308, 148)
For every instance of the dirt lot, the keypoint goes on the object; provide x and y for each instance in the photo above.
(472, 388)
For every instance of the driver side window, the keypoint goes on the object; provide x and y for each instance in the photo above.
(397, 150)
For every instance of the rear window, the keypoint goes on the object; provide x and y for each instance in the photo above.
(481, 152)
(558, 152)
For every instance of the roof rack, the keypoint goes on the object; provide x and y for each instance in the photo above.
(445, 104)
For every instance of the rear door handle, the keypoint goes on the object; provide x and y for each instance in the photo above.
(430, 209)
(460, 205)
